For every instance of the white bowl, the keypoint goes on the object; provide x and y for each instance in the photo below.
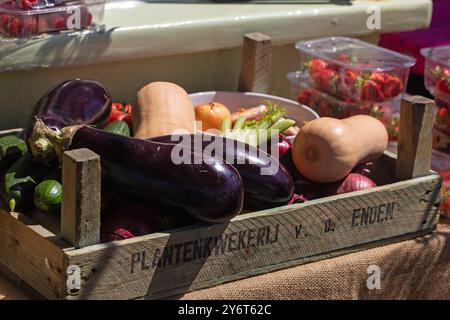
(235, 100)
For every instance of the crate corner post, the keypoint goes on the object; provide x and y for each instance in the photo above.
(80, 211)
(417, 115)
(256, 63)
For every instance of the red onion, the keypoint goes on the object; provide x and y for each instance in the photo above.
(353, 182)
(297, 199)
(283, 145)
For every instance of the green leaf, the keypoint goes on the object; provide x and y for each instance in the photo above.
(11, 180)
(11, 144)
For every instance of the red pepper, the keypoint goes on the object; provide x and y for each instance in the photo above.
(121, 111)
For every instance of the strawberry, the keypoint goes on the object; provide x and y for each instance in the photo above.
(442, 116)
(14, 27)
(4, 19)
(326, 79)
(376, 111)
(30, 25)
(316, 65)
(347, 100)
(371, 91)
(447, 201)
(443, 84)
(392, 87)
(60, 23)
(88, 19)
(350, 77)
(343, 57)
(379, 77)
(28, 4)
(324, 108)
(304, 97)
(438, 72)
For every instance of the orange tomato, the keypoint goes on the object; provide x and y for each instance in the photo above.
(211, 115)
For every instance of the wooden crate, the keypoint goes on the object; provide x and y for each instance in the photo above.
(64, 260)
(70, 265)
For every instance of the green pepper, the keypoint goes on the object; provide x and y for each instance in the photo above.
(118, 127)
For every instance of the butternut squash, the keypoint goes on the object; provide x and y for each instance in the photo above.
(162, 108)
(327, 149)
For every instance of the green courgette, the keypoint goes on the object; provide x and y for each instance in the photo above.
(47, 196)
(118, 127)
(17, 186)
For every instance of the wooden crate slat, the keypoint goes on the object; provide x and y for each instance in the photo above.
(126, 266)
(33, 253)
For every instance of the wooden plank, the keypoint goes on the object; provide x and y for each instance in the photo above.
(32, 253)
(164, 264)
(415, 137)
(256, 61)
(80, 211)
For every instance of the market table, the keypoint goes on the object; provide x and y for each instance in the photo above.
(412, 269)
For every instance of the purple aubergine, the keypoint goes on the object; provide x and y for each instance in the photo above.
(72, 102)
(211, 191)
(262, 191)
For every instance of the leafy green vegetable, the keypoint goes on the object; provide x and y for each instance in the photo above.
(273, 113)
(258, 131)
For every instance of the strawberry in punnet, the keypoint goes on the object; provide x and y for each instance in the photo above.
(324, 108)
(30, 25)
(316, 65)
(347, 100)
(350, 77)
(379, 77)
(392, 87)
(371, 91)
(442, 116)
(4, 19)
(60, 23)
(326, 80)
(438, 72)
(28, 4)
(345, 57)
(447, 200)
(14, 27)
(443, 84)
(305, 97)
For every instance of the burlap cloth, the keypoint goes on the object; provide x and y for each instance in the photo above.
(413, 269)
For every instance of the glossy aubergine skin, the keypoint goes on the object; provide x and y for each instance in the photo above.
(125, 217)
(208, 192)
(72, 102)
(261, 191)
